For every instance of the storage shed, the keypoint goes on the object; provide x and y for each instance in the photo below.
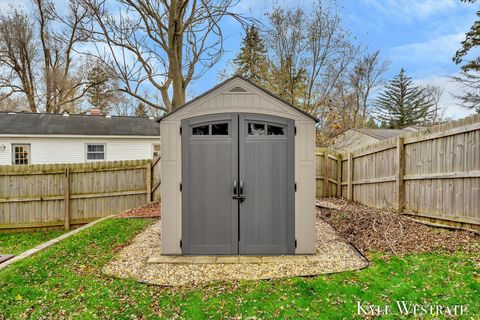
(238, 174)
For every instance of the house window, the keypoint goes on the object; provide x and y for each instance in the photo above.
(20, 154)
(156, 150)
(95, 152)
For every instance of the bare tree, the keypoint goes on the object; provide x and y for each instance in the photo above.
(309, 53)
(159, 43)
(61, 86)
(364, 78)
(37, 56)
(286, 40)
(18, 56)
(331, 53)
(437, 110)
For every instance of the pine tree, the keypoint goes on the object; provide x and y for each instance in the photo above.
(288, 81)
(251, 61)
(469, 77)
(100, 95)
(402, 103)
(141, 110)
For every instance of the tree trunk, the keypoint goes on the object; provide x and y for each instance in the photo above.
(176, 54)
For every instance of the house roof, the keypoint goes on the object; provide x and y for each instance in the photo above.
(26, 123)
(381, 134)
(244, 79)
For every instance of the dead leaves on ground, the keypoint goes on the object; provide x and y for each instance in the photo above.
(384, 231)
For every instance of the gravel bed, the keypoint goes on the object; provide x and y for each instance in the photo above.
(131, 262)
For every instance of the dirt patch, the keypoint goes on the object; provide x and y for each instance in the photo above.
(149, 211)
(379, 230)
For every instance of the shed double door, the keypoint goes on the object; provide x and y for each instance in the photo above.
(238, 185)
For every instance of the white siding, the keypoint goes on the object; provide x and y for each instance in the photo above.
(253, 101)
(47, 150)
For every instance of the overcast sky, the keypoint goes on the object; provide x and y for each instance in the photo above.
(418, 35)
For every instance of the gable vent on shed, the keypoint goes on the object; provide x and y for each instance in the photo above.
(237, 90)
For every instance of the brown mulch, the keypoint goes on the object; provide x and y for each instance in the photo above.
(380, 230)
(149, 211)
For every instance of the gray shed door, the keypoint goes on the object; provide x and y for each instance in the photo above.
(238, 185)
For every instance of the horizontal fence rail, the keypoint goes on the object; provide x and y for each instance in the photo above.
(56, 195)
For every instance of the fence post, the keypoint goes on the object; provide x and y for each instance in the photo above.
(339, 176)
(325, 173)
(350, 177)
(149, 182)
(66, 189)
(400, 183)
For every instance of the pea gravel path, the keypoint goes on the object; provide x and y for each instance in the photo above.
(334, 255)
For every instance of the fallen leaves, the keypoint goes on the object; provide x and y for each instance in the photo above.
(149, 211)
(378, 230)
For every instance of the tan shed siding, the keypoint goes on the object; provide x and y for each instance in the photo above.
(53, 150)
(253, 101)
(171, 205)
(305, 195)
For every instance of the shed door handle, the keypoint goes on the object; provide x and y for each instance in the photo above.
(240, 195)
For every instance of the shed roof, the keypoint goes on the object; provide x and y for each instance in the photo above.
(244, 79)
(26, 123)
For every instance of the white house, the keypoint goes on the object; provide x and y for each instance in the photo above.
(43, 138)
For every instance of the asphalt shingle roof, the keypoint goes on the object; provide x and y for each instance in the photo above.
(76, 124)
(382, 134)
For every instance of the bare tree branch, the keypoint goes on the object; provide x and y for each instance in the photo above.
(166, 41)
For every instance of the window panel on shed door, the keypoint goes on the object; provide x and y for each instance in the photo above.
(202, 130)
(215, 129)
(275, 130)
(220, 129)
(256, 129)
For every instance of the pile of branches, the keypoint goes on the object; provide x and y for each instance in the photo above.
(386, 231)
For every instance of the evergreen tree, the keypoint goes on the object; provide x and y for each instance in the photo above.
(141, 110)
(469, 78)
(288, 81)
(101, 92)
(402, 103)
(251, 61)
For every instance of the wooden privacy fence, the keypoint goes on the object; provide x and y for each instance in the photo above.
(65, 194)
(328, 173)
(434, 173)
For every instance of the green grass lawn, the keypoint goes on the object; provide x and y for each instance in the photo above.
(16, 243)
(65, 282)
